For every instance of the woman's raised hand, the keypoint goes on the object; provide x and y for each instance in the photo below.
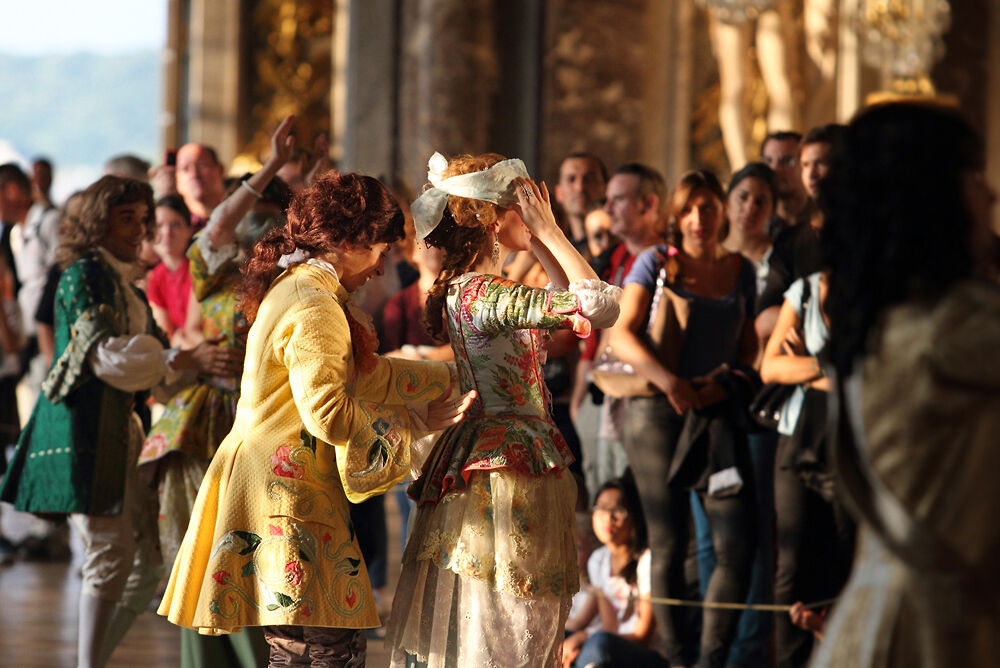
(320, 160)
(446, 411)
(536, 210)
(282, 141)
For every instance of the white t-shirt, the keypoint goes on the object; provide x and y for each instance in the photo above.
(620, 594)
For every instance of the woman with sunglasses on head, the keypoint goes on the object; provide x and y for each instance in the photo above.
(687, 434)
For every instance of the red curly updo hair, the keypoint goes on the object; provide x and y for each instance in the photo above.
(463, 233)
(337, 211)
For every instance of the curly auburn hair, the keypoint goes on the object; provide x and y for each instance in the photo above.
(337, 211)
(85, 223)
(463, 234)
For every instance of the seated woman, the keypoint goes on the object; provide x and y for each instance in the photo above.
(78, 451)
(321, 419)
(619, 588)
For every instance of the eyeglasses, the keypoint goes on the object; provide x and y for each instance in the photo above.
(618, 514)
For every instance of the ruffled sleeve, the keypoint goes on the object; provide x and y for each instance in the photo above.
(207, 266)
(598, 301)
(492, 305)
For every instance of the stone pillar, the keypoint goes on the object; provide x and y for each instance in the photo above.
(214, 88)
(592, 92)
(618, 82)
(371, 86)
(448, 80)
(174, 62)
(666, 126)
(992, 137)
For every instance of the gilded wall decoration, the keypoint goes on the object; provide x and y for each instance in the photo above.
(289, 44)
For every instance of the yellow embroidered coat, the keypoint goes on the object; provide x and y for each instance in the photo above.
(270, 540)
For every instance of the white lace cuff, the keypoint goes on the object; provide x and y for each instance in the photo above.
(214, 258)
(598, 301)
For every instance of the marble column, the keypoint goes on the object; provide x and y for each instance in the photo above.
(214, 84)
(448, 81)
(617, 83)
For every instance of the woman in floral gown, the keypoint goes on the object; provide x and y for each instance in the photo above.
(491, 564)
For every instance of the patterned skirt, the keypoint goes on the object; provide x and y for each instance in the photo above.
(179, 449)
(488, 573)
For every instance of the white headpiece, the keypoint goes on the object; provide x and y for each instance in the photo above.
(489, 185)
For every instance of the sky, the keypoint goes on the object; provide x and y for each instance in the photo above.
(41, 27)
(58, 27)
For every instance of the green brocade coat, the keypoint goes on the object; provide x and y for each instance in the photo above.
(73, 454)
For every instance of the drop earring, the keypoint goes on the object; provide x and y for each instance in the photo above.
(495, 255)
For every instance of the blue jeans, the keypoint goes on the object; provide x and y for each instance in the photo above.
(610, 649)
(750, 646)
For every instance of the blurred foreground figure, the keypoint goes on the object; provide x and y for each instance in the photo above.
(915, 338)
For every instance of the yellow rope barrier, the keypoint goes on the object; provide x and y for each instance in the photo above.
(718, 605)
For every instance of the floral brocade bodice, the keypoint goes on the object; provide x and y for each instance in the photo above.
(499, 329)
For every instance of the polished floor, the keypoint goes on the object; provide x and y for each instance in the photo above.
(38, 616)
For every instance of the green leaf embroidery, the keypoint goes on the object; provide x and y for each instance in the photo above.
(272, 607)
(213, 607)
(378, 457)
(248, 569)
(252, 540)
(308, 440)
(284, 599)
(349, 565)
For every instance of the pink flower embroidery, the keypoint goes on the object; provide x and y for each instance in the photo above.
(283, 465)
(220, 577)
(306, 612)
(350, 599)
(154, 448)
(326, 538)
(275, 531)
(294, 571)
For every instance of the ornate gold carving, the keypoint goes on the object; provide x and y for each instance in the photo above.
(289, 44)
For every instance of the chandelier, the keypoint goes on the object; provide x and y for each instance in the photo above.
(904, 39)
(737, 11)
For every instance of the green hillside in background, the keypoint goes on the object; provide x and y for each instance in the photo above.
(83, 108)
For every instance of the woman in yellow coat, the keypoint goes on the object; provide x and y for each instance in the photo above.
(321, 419)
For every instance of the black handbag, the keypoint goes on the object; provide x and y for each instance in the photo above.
(766, 407)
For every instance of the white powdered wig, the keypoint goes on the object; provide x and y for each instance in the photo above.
(489, 185)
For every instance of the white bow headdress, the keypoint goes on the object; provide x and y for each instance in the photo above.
(489, 185)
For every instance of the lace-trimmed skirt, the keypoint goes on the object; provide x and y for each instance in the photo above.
(488, 574)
